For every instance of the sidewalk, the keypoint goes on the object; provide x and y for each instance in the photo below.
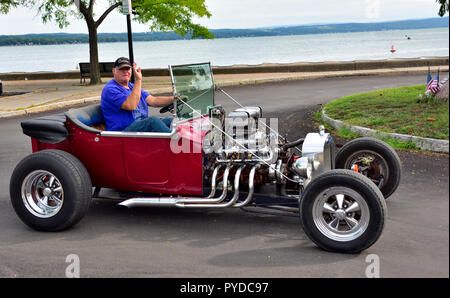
(45, 95)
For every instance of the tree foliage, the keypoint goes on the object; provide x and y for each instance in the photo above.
(173, 15)
(5, 5)
(443, 8)
(163, 15)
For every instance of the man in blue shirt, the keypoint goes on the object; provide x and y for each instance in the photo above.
(125, 105)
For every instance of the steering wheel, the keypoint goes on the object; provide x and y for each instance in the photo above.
(170, 106)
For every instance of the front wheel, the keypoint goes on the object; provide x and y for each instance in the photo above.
(50, 190)
(342, 211)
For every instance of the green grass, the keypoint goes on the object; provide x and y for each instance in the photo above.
(393, 110)
(347, 133)
(394, 143)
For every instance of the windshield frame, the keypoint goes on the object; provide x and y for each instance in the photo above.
(175, 93)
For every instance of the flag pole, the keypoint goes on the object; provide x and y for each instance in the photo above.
(130, 45)
(127, 9)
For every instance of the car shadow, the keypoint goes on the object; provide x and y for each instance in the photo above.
(278, 240)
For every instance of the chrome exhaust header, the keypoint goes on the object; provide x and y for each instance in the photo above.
(213, 182)
(209, 198)
(145, 202)
(251, 186)
(188, 203)
(207, 202)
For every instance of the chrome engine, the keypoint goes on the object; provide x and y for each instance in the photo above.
(244, 137)
(240, 137)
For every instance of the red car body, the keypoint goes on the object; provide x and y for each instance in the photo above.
(137, 163)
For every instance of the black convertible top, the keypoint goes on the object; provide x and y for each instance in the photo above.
(52, 129)
(47, 129)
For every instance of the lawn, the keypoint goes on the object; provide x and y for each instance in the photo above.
(393, 110)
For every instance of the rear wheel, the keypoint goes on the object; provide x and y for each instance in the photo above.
(374, 159)
(342, 211)
(50, 190)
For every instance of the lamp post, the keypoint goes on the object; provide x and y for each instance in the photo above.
(127, 10)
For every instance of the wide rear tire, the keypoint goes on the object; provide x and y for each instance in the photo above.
(342, 211)
(50, 190)
(375, 159)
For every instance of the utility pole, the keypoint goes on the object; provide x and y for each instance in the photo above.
(127, 10)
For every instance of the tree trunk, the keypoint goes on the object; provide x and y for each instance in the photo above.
(93, 53)
(92, 25)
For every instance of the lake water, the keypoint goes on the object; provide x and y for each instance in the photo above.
(230, 51)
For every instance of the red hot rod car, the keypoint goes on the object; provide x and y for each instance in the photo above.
(210, 159)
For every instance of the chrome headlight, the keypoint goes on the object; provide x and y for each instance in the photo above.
(303, 166)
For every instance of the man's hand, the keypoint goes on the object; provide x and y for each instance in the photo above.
(137, 72)
(132, 101)
(181, 97)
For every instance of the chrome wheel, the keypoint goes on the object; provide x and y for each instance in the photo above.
(42, 194)
(370, 164)
(341, 214)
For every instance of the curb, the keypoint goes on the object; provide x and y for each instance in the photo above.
(50, 107)
(434, 145)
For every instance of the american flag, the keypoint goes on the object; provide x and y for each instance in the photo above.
(433, 85)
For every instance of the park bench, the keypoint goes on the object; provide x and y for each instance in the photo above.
(85, 69)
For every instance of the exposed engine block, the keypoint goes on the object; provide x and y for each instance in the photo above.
(243, 138)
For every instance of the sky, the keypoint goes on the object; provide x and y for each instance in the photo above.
(235, 14)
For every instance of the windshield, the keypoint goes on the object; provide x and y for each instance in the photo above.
(196, 82)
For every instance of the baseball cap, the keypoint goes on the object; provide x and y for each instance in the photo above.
(121, 62)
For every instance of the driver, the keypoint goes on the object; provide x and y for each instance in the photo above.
(125, 105)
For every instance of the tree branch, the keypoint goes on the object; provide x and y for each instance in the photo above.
(105, 14)
(91, 6)
(84, 11)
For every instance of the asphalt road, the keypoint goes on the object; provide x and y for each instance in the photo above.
(154, 242)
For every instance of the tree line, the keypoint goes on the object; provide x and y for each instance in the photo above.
(65, 38)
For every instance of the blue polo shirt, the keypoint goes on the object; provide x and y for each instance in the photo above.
(113, 97)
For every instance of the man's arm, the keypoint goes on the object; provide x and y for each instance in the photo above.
(159, 101)
(133, 99)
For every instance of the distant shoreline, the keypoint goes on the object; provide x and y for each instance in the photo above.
(74, 38)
